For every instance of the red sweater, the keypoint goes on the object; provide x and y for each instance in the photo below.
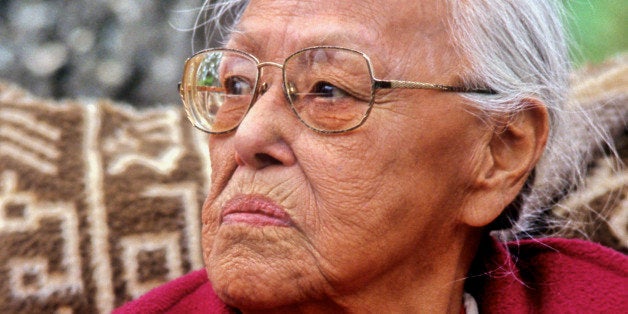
(532, 276)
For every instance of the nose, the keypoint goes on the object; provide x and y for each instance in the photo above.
(262, 138)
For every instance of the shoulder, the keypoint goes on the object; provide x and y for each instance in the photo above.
(191, 293)
(573, 274)
(565, 255)
(555, 275)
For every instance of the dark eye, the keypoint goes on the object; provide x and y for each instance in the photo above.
(236, 85)
(325, 89)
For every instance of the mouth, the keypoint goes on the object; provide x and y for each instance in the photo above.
(254, 210)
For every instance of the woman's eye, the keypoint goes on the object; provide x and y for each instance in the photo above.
(325, 89)
(237, 86)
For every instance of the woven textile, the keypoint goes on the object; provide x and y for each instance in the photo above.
(98, 202)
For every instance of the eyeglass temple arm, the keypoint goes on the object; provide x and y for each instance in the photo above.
(377, 84)
(420, 85)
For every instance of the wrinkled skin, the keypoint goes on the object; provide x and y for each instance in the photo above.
(375, 213)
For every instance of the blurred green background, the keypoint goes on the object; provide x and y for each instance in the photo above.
(598, 27)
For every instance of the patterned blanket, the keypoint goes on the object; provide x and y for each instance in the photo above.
(100, 202)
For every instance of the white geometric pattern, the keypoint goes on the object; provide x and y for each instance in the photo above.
(66, 209)
(160, 130)
(133, 245)
(186, 192)
(34, 148)
(45, 283)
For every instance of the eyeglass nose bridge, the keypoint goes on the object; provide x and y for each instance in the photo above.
(268, 63)
(263, 86)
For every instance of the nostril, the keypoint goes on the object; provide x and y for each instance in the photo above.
(266, 160)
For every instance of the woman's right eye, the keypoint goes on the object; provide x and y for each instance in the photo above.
(236, 85)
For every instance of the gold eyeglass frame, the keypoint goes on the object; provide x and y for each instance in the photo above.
(259, 89)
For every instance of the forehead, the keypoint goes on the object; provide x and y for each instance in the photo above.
(354, 24)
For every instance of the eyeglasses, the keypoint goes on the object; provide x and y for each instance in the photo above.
(330, 89)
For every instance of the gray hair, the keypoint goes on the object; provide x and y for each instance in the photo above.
(520, 49)
(218, 18)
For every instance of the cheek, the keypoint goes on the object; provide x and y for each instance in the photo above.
(221, 155)
(447, 143)
(376, 184)
(341, 181)
(362, 196)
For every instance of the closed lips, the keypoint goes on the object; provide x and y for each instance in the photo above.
(255, 210)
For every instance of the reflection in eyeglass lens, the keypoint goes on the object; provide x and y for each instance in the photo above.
(330, 89)
(224, 90)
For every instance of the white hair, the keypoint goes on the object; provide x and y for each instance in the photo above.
(519, 49)
(218, 18)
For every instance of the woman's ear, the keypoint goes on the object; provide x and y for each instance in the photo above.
(508, 158)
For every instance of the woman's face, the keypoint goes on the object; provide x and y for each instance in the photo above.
(296, 216)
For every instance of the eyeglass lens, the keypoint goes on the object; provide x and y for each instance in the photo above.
(329, 89)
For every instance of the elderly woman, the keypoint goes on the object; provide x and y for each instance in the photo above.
(362, 152)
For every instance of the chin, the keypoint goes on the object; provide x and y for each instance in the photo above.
(259, 268)
(249, 285)
(242, 293)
